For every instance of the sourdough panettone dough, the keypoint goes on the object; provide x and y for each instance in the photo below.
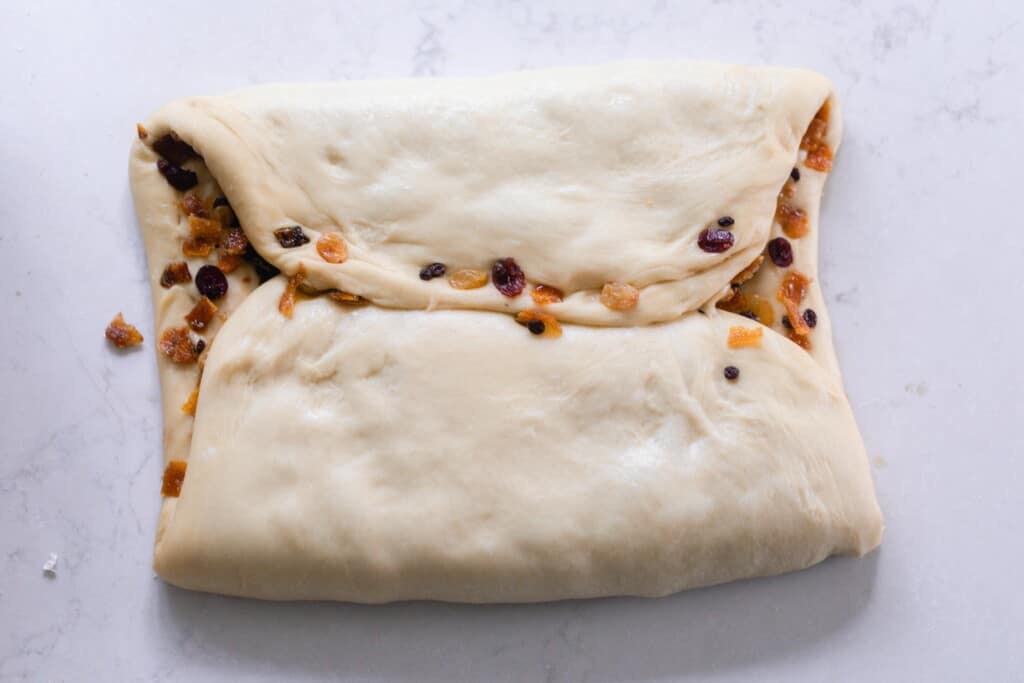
(425, 446)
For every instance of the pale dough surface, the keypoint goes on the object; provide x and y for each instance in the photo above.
(583, 175)
(398, 451)
(372, 455)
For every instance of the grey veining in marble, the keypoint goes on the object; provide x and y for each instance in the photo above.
(922, 266)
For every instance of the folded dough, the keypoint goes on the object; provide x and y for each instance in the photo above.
(397, 451)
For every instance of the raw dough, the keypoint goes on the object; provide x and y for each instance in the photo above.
(397, 451)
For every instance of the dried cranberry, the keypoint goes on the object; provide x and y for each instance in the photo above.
(535, 326)
(179, 178)
(211, 282)
(174, 149)
(781, 252)
(264, 270)
(795, 174)
(432, 271)
(290, 237)
(715, 241)
(508, 277)
(725, 221)
(811, 318)
(731, 372)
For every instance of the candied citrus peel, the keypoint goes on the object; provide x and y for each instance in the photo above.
(743, 337)
(790, 293)
(123, 334)
(819, 154)
(551, 327)
(332, 248)
(287, 303)
(792, 219)
(206, 229)
(189, 406)
(542, 294)
(176, 344)
(174, 476)
(201, 314)
(346, 297)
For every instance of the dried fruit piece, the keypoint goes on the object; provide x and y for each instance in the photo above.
(291, 237)
(264, 270)
(715, 241)
(508, 277)
(780, 251)
(287, 303)
(795, 174)
(176, 344)
(819, 154)
(332, 248)
(800, 340)
(619, 296)
(195, 247)
(791, 292)
(192, 205)
(540, 323)
(725, 221)
(210, 282)
(811, 318)
(174, 274)
(742, 337)
(233, 241)
(431, 271)
(174, 476)
(174, 149)
(793, 220)
(189, 406)
(227, 263)
(468, 278)
(223, 212)
(201, 314)
(179, 178)
(123, 334)
(751, 306)
(731, 372)
(346, 297)
(141, 131)
(542, 294)
(748, 272)
(204, 228)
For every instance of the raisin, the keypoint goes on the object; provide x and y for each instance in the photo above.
(725, 221)
(795, 174)
(264, 269)
(536, 327)
(542, 294)
(179, 178)
(715, 241)
(174, 149)
(785, 322)
(467, 278)
(780, 251)
(432, 271)
(290, 237)
(211, 282)
(175, 273)
(731, 372)
(811, 318)
(221, 201)
(508, 277)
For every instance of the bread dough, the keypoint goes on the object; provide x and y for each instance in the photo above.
(426, 446)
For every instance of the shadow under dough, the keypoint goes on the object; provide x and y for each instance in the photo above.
(689, 634)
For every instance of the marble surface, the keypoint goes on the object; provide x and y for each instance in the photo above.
(922, 265)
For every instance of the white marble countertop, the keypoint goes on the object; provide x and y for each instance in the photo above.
(923, 249)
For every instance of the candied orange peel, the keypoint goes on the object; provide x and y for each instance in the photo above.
(552, 329)
(174, 477)
(287, 303)
(176, 344)
(346, 297)
(123, 334)
(332, 248)
(189, 406)
(743, 337)
(201, 314)
(819, 154)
